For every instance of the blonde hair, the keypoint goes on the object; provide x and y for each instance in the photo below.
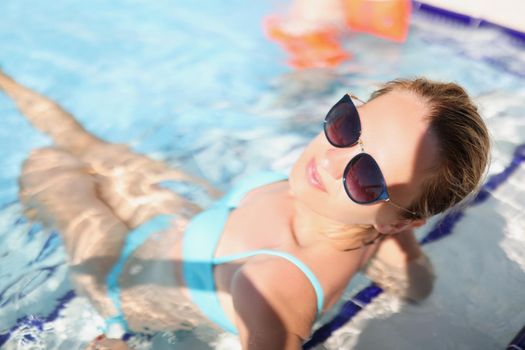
(464, 147)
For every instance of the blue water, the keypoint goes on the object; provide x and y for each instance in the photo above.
(198, 85)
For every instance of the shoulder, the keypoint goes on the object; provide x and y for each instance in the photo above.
(269, 291)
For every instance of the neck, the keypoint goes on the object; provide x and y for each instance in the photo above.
(307, 224)
(310, 227)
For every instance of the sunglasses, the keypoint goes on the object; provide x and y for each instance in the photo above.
(363, 180)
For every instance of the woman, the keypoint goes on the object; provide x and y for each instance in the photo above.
(267, 259)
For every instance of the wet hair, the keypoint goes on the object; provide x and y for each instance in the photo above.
(463, 141)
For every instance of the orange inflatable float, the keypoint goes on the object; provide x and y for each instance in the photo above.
(320, 48)
(388, 19)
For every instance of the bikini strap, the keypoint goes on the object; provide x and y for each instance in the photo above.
(116, 324)
(302, 266)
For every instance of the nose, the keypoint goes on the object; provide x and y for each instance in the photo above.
(335, 160)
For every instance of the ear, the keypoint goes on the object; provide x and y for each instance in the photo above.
(418, 223)
(398, 226)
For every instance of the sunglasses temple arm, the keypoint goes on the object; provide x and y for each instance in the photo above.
(399, 207)
(356, 98)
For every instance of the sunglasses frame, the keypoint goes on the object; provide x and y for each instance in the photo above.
(383, 196)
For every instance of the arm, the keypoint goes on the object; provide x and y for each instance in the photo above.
(273, 311)
(401, 268)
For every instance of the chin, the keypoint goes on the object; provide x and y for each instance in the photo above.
(323, 203)
(303, 192)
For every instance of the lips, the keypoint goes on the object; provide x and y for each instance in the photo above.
(313, 176)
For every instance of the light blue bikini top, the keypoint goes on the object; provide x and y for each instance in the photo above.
(200, 243)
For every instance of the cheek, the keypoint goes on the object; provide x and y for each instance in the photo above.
(335, 206)
(297, 177)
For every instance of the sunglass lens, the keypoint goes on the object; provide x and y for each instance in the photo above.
(342, 126)
(363, 180)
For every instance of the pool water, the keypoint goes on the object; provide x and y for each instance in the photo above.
(193, 84)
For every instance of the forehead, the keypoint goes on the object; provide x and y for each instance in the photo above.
(395, 131)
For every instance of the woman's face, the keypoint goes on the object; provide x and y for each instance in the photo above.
(395, 133)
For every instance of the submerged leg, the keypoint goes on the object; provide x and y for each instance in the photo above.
(127, 181)
(60, 192)
(49, 117)
(57, 189)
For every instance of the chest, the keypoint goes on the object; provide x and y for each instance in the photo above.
(261, 221)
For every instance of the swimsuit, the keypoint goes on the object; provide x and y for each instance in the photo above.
(198, 249)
